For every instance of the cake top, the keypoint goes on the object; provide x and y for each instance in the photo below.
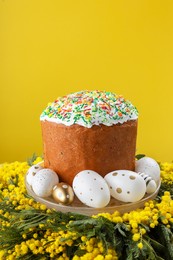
(88, 108)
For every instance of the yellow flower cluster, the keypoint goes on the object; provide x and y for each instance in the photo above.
(13, 190)
(50, 244)
(13, 186)
(53, 244)
(94, 250)
(150, 216)
(167, 172)
(115, 217)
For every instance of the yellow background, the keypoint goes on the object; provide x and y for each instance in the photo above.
(51, 48)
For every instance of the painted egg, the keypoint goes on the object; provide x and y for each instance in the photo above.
(43, 182)
(126, 186)
(63, 193)
(151, 185)
(31, 172)
(149, 166)
(91, 189)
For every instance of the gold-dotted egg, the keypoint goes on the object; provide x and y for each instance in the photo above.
(63, 193)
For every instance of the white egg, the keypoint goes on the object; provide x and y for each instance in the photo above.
(43, 182)
(31, 173)
(91, 189)
(148, 166)
(126, 186)
(151, 187)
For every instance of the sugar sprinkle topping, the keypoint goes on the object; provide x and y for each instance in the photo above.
(88, 108)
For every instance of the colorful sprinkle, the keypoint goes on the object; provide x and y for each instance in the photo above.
(88, 108)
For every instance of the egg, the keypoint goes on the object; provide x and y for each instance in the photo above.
(31, 172)
(44, 181)
(149, 166)
(91, 189)
(151, 185)
(63, 193)
(126, 186)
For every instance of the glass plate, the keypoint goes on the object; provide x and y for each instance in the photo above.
(79, 207)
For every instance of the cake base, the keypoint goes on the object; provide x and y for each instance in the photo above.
(71, 149)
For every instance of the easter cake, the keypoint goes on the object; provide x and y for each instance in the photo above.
(93, 130)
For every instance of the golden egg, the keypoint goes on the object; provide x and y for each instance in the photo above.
(63, 193)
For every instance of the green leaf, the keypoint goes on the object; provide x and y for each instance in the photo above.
(156, 245)
(121, 227)
(32, 159)
(166, 238)
(80, 252)
(139, 156)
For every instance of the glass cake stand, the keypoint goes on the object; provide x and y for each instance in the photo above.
(79, 207)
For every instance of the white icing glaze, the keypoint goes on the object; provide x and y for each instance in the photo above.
(88, 108)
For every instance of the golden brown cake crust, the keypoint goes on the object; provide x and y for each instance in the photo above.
(71, 149)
